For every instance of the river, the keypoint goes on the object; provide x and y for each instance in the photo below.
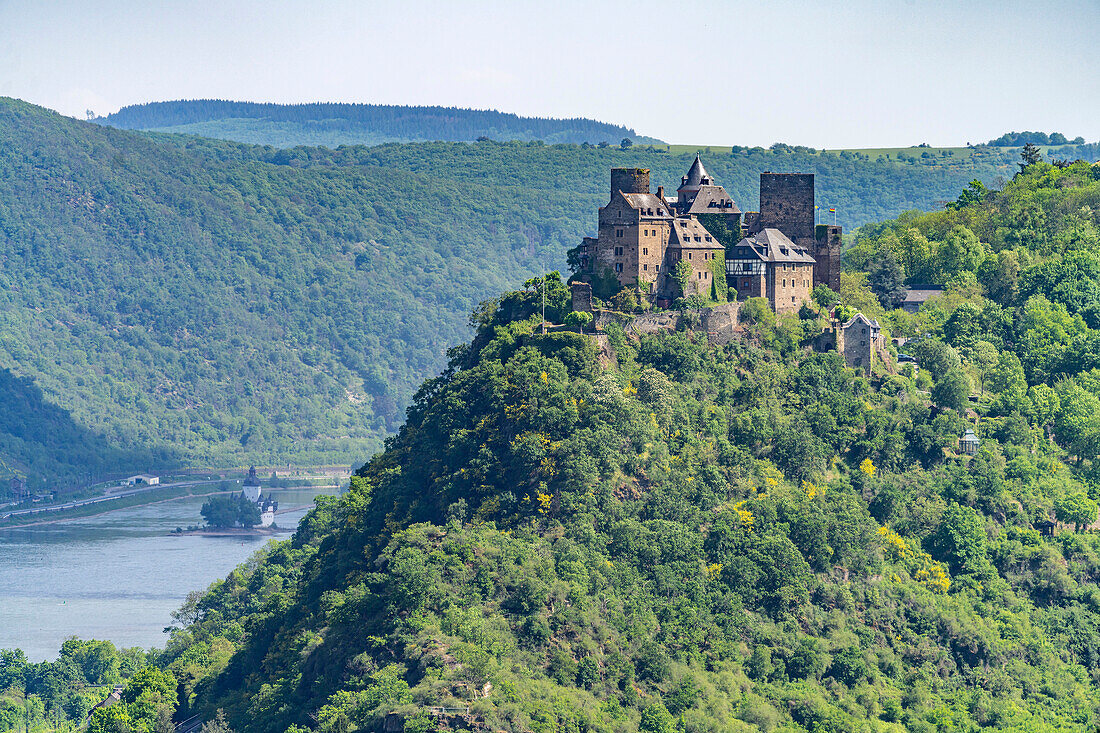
(115, 576)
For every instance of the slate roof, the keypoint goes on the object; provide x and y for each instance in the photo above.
(772, 245)
(712, 200)
(919, 294)
(646, 202)
(696, 176)
(688, 233)
(860, 318)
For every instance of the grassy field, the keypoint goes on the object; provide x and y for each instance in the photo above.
(928, 156)
(873, 153)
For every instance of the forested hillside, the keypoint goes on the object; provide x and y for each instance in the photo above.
(334, 124)
(210, 305)
(189, 300)
(686, 537)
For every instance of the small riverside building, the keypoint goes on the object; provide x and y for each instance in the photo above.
(142, 479)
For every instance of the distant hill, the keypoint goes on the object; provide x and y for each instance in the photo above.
(1016, 139)
(190, 300)
(335, 124)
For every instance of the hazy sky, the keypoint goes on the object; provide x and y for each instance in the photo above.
(861, 73)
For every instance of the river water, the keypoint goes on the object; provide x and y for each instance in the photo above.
(116, 576)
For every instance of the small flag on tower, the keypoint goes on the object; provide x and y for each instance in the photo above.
(832, 211)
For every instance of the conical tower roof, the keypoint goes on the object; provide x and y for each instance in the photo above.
(696, 175)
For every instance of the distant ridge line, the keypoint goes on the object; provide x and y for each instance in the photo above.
(414, 122)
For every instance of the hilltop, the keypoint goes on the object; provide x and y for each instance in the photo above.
(681, 536)
(334, 124)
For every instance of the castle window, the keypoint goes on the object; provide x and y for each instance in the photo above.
(699, 275)
(658, 268)
(618, 232)
(618, 267)
(645, 250)
(618, 251)
(706, 275)
(645, 268)
(708, 238)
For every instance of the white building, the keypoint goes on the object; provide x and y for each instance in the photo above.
(252, 490)
(142, 479)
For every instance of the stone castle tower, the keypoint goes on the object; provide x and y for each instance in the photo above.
(787, 203)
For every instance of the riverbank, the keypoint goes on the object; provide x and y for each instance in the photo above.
(232, 531)
(154, 496)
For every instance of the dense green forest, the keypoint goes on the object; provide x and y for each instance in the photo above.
(672, 536)
(60, 695)
(334, 124)
(187, 300)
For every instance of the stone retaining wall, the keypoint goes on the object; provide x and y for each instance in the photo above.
(720, 321)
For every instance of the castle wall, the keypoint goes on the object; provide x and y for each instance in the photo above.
(720, 322)
(790, 287)
(700, 261)
(629, 245)
(748, 286)
(582, 296)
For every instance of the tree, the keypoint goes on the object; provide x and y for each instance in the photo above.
(986, 358)
(887, 281)
(578, 320)
(824, 296)
(952, 390)
(936, 357)
(1075, 508)
(972, 195)
(1029, 156)
(657, 719)
(961, 252)
(229, 511)
(626, 143)
(1003, 285)
(220, 511)
(681, 273)
(960, 541)
(964, 326)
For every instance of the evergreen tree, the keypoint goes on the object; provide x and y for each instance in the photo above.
(886, 278)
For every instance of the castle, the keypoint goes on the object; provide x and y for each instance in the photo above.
(777, 253)
(253, 492)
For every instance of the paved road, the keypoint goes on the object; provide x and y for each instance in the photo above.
(120, 494)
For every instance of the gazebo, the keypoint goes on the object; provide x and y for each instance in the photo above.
(969, 442)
